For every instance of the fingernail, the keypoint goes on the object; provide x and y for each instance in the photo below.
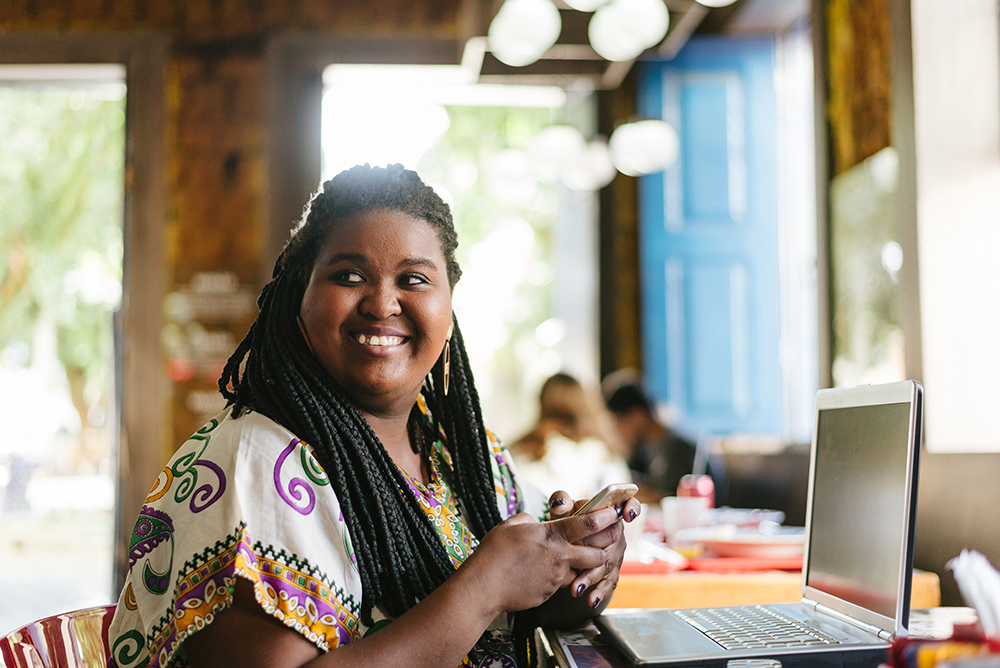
(631, 515)
(597, 602)
(579, 588)
(556, 502)
(620, 510)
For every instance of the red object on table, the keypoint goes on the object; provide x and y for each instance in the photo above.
(697, 485)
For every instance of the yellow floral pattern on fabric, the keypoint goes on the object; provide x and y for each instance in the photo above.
(438, 502)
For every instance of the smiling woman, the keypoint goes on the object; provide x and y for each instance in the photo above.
(377, 307)
(351, 486)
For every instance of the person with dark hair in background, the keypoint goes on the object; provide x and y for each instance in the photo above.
(658, 456)
(349, 507)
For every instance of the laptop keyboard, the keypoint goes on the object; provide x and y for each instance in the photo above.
(753, 627)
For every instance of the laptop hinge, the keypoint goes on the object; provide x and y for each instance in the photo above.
(847, 619)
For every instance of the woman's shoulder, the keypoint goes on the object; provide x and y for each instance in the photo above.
(242, 497)
(248, 430)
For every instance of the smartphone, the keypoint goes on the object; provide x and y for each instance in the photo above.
(612, 495)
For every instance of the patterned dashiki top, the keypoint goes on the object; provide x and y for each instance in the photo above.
(245, 498)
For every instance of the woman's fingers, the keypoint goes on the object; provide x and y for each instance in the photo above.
(602, 579)
(555, 561)
(631, 510)
(598, 593)
(576, 528)
(599, 582)
(598, 539)
(560, 505)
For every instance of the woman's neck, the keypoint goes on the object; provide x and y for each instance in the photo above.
(394, 434)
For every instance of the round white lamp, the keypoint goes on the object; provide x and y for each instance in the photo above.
(555, 150)
(523, 30)
(623, 29)
(643, 147)
(594, 170)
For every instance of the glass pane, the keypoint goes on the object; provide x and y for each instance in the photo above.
(60, 285)
(866, 259)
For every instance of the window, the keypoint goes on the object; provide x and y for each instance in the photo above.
(527, 247)
(956, 76)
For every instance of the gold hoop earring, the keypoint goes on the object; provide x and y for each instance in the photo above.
(447, 364)
(305, 334)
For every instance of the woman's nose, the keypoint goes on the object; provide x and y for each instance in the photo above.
(381, 300)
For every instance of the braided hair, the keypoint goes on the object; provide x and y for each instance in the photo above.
(401, 558)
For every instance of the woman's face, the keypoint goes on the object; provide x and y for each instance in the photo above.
(377, 307)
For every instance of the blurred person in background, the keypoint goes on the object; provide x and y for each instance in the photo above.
(658, 457)
(573, 446)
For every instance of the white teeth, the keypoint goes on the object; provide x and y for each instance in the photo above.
(379, 340)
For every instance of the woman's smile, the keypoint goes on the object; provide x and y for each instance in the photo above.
(388, 341)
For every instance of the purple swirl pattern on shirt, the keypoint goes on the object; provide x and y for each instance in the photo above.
(298, 489)
(206, 495)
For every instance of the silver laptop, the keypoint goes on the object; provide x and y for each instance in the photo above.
(858, 560)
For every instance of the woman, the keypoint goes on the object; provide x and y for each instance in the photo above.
(349, 507)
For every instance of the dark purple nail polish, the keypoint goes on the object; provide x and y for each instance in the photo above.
(620, 510)
(579, 588)
(556, 502)
(597, 602)
(631, 515)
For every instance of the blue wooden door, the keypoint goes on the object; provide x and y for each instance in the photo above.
(709, 238)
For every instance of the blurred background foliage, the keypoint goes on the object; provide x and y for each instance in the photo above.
(61, 234)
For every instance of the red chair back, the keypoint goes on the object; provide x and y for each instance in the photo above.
(77, 639)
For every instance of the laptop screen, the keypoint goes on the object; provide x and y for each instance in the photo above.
(859, 504)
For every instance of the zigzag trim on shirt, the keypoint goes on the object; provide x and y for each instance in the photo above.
(286, 586)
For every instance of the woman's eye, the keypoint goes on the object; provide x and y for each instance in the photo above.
(348, 277)
(413, 279)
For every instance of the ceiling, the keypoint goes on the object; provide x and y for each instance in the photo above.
(572, 60)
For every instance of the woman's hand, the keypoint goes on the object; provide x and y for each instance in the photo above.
(526, 562)
(598, 582)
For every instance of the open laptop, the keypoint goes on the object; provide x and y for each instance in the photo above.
(858, 559)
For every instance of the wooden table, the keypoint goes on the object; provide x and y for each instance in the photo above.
(698, 589)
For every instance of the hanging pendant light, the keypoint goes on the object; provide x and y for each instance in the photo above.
(523, 30)
(554, 151)
(623, 29)
(643, 147)
(593, 170)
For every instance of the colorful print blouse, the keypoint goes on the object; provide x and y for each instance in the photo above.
(245, 498)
